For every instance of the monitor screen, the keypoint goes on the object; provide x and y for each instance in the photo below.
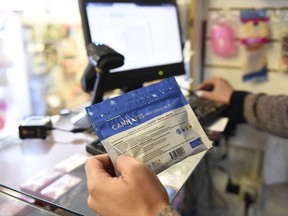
(146, 32)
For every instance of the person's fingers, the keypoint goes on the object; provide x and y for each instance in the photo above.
(98, 178)
(126, 164)
(107, 163)
(209, 81)
(97, 169)
(205, 94)
(131, 169)
(134, 171)
(98, 163)
(106, 192)
(205, 83)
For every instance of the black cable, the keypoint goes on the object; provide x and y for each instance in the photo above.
(74, 130)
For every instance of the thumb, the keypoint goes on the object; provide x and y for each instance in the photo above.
(128, 166)
(125, 163)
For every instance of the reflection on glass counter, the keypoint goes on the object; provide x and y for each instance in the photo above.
(14, 203)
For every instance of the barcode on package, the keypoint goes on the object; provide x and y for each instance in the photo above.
(177, 153)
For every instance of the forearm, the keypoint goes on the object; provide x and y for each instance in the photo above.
(267, 113)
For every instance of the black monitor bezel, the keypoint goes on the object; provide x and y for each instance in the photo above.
(130, 79)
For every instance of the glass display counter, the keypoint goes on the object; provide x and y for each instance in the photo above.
(52, 171)
(14, 203)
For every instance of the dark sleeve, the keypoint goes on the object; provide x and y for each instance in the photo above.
(267, 113)
(236, 109)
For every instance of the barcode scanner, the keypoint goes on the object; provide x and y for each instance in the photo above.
(102, 58)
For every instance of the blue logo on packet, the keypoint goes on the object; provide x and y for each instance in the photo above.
(195, 143)
(118, 114)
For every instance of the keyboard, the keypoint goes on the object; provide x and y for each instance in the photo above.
(205, 110)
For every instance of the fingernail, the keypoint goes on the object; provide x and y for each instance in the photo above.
(199, 93)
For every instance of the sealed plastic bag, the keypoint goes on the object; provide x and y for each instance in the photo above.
(153, 124)
(255, 36)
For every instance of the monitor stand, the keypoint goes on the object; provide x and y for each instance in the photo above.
(132, 87)
(98, 90)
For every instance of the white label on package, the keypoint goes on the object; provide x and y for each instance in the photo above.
(154, 124)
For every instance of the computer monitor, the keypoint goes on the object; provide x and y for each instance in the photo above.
(146, 32)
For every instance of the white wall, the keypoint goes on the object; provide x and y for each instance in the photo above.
(231, 68)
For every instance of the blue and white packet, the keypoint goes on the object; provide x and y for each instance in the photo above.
(153, 124)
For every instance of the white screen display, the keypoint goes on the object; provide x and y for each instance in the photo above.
(147, 35)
